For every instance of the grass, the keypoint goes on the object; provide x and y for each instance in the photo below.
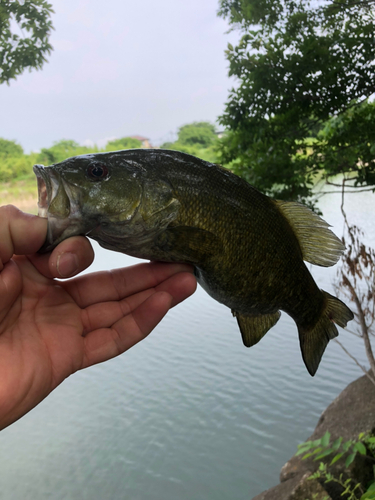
(21, 192)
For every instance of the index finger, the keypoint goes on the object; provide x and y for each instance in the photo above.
(106, 286)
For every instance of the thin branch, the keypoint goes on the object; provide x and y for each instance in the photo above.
(366, 372)
(322, 193)
(353, 333)
(367, 3)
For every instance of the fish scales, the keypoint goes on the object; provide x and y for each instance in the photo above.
(260, 284)
(248, 250)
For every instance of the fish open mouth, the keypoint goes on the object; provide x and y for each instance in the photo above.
(44, 190)
(53, 205)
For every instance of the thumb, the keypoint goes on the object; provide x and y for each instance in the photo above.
(20, 233)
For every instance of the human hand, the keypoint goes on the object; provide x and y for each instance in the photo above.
(49, 329)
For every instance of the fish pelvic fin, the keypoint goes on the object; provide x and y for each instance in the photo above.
(314, 341)
(318, 243)
(254, 327)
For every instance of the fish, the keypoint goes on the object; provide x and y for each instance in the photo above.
(248, 250)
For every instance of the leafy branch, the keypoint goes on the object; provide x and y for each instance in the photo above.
(339, 449)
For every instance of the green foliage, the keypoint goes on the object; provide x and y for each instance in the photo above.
(201, 134)
(16, 167)
(349, 491)
(347, 144)
(62, 150)
(124, 143)
(322, 448)
(15, 164)
(28, 47)
(298, 66)
(198, 139)
(9, 149)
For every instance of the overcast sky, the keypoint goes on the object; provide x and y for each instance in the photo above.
(120, 68)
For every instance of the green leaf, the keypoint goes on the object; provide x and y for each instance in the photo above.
(369, 495)
(307, 456)
(302, 450)
(336, 458)
(336, 444)
(347, 445)
(316, 475)
(318, 450)
(329, 477)
(322, 467)
(324, 454)
(360, 447)
(306, 443)
(350, 459)
(325, 439)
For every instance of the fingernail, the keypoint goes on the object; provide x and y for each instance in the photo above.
(67, 265)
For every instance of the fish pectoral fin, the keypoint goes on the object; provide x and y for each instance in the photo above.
(254, 327)
(189, 244)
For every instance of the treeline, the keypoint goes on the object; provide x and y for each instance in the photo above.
(198, 138)
(15, 164)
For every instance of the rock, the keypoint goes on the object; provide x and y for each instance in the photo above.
(351, 413)
(309, 488)
(298, 488)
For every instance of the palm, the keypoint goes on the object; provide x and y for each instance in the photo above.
(50, 329)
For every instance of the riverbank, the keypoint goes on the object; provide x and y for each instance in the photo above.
(23, 193)
(350, 414)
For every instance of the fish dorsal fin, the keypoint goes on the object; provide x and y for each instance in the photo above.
(254, 327)
(318, 243)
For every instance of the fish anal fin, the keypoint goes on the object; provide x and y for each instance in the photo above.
(314, 341)
(254, 327)
(318, 243)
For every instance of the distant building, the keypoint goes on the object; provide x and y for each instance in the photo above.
(144, 140)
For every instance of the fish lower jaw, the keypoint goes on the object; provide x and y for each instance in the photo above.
(59, 229)
(42, 198)
(42, 211)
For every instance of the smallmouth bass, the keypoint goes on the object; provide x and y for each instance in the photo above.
(247, 249)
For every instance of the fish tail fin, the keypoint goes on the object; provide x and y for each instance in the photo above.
(314, 341)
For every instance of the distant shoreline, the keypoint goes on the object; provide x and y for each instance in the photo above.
(22, 193)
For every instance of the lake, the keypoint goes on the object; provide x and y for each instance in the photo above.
(189, 413)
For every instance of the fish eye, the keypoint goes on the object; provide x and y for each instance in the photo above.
(97, 171)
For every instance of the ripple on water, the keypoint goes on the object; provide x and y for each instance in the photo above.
(189, 413)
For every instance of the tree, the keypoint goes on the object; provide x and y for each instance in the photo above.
(9, 149)
(198, 139)
(61, 150)
(123, 143)
(25, 27)
(13, 162)
(200, 134)
(305, 73)
(357, 283)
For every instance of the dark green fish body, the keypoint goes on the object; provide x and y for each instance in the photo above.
(248, 249)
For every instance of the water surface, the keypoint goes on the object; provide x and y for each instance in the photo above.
(189, 413)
